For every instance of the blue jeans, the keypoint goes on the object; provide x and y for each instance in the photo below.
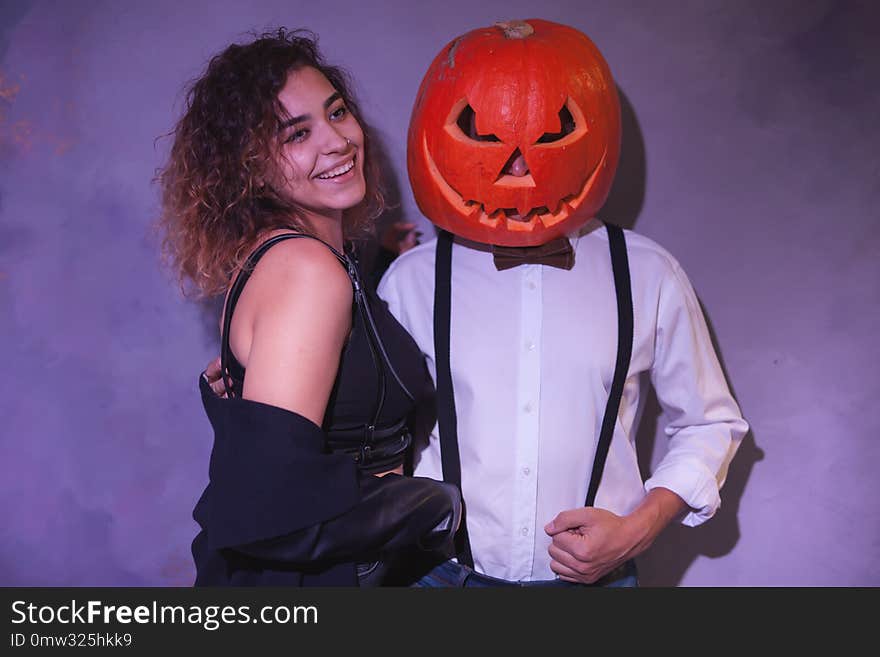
(452, 574)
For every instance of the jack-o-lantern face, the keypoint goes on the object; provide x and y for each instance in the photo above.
(515, 134)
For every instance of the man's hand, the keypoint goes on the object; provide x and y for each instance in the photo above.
(589, 542)
(399, 237)
(212, 376)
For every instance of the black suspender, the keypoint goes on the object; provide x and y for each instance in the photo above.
(446, 416)
(623, 289)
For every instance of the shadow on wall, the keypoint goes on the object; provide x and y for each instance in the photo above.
(627, 195)
(666, 562)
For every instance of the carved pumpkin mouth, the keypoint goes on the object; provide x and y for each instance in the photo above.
(475, 211)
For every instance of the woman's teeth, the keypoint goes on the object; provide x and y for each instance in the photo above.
(338, 171)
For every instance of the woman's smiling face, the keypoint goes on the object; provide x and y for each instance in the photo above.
(320, 164)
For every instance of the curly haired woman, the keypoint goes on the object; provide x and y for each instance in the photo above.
(269, 178)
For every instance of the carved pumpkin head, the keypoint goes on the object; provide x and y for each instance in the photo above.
(515, 134)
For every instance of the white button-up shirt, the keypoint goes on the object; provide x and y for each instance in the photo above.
(533, 350)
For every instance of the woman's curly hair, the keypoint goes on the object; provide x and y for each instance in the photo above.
(214, 205)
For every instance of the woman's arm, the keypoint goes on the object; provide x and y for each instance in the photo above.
(290, 326)
(288, 331)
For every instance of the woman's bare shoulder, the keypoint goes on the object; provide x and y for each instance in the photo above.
(301, 269)
(299, 314)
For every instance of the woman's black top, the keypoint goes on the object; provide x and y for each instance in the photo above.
(381, 373)
(270, 473)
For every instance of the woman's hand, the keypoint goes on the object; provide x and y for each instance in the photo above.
(400, 237)
(212, 376)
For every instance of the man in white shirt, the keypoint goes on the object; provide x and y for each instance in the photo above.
(533, 348)
(532, 356)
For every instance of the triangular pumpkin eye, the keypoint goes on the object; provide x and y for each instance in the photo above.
(566, 121)
(467, 121)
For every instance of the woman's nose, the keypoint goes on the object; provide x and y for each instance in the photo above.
(336, 141)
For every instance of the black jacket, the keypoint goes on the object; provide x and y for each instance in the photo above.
(279, 510)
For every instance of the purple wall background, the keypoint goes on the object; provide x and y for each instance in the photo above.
(750, 153)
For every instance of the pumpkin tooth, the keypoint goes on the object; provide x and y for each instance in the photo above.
(522, 226)
(491, 222)
(553, 219)
(545, 218)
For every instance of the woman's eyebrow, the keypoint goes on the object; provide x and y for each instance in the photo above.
(305, 117)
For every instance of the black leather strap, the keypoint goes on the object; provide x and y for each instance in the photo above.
(446, 416)
(354, 273)
(623, 289)
(386, 449)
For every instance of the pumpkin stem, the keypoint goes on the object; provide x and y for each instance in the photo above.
(515, 29)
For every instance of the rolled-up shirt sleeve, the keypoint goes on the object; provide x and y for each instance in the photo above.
(704, 422)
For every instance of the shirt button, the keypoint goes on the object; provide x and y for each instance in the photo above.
(526, 471)
(531, 285)
(530, 345)
(525, 531)
(528, 407)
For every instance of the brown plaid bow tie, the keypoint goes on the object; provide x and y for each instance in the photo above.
(557, 253)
